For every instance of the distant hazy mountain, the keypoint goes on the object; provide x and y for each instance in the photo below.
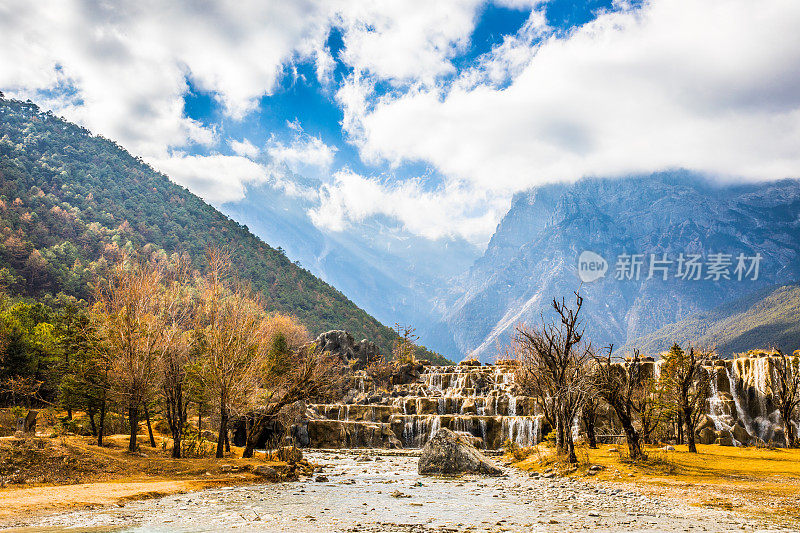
(387, 272)
(70, 201)
(767, 318)
(533, 255)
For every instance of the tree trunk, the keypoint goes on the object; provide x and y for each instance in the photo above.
(788, 430)
(133, 421)
(559, 434)
(588, 421)
(569, 443)
(176, 414)
(223, 430)
(631, 436)
(90, 413)
(679, 432)
(254, 430)
(149, 427)
(689, 430)
(176, 442)
(102, 423)
(591, 436)
(248, 431)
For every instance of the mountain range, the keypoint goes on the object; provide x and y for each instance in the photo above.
(70, 200)
(533, 256)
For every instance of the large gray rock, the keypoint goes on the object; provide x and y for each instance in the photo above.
(449, 453)
(707, 436)
(740, 433)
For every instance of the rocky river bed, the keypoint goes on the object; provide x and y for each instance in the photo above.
(374, 491)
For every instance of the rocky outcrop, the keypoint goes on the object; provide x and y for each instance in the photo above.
(340, 343)
(346, 434)
(448, 453)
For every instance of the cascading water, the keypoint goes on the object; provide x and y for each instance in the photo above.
(484, 402)
(480, 401)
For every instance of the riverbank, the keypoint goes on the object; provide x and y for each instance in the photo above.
(374, 492)
(759, 482)
(40, 476)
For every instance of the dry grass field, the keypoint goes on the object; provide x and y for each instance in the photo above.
(760, 482)
(40, 475)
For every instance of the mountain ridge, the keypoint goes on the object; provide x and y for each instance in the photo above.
(532, 257)
(761, 320)
(70, 200)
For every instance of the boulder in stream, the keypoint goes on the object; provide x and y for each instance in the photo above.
(449, 453)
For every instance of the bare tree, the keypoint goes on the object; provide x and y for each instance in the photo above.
(286, 379)
(618, 385)
(786, 390)
(129, 313)
(557, 353)
(534, 381)
(177, 356)
(648, 403)
(404, 348)
(688, 385)
(229, 326)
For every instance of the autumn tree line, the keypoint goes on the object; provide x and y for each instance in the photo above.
(574, 382)
(160, 336)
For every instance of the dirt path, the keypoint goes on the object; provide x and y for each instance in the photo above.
(16, 503)
(387, 495)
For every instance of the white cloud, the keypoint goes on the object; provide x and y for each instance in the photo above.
(409, 41)
(244, 148)
(303, 152)
(449, 211)
(215, 178)
(711, 86)
(124, 65)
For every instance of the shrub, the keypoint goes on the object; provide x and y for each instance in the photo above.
(517, 452)
(194, 445)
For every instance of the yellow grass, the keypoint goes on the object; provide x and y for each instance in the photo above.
(102, 476)
(757, 481)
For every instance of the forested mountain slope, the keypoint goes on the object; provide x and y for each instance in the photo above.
(765, 319)
(71, 202)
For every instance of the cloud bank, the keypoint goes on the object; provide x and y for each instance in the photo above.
(710, 86)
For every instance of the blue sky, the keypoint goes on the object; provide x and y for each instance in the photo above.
(424, 115)
(302, 98)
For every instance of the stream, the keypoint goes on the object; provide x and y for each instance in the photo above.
(385, 494)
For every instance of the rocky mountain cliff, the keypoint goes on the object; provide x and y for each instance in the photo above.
(533, 255)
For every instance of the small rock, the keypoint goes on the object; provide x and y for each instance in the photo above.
(266, 472)
(321, 479)
(398, 494)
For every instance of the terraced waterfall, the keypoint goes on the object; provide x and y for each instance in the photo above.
(479, 401)
(484, 403)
